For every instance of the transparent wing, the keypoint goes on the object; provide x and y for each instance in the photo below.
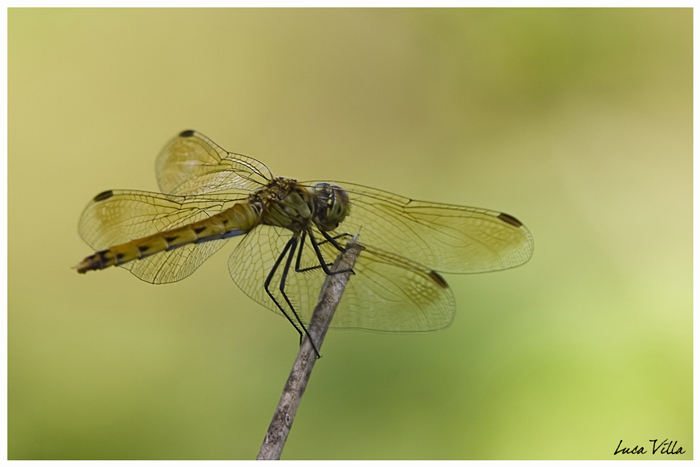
(174, 265)
(118, 216)
(445, 237)
(193, 164)
(387, 292)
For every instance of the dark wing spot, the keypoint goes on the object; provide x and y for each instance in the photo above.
(510, 220)
(187, 134)
(438, 279)
(104, 195)
(198, 230)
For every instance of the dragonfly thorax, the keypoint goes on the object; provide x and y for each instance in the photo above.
(285, 203)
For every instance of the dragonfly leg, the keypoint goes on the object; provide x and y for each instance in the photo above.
(319, 255)
(297, 266)
(283, 282)
(289, 244)
(333, 239)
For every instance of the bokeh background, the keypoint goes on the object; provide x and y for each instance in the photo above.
(578, 122)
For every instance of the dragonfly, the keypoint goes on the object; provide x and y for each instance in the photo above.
(291, 231)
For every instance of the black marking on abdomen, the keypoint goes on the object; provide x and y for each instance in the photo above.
(198, 230)
(104, 195)
(508, 219)
(101, 256)
(143, 248)
(170, 239)
(187, 134)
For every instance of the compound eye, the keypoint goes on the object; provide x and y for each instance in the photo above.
(333, 206)
(321, 187)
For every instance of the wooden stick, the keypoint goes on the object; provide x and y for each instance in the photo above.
(331, 292)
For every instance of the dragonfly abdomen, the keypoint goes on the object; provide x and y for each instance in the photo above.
(237, 220)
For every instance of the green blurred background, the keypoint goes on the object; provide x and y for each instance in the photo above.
(578, 122)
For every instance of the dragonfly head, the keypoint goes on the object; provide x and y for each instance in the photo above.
(332, 206)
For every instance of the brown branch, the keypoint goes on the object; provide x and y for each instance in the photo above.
(331, 292)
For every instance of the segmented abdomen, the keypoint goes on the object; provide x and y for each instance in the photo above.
(236, 220)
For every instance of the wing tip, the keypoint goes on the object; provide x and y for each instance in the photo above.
(508, 219)
(438, 279)
(103, 196)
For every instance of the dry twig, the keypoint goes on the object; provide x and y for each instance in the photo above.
(331, 292)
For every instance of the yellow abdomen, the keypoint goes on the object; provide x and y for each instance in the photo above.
(237, 220)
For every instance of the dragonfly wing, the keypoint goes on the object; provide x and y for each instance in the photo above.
(253, 259)
(392, 293)
(118, 216)
(173, 265)
(191, 163)
(387, 293)
(445, 237)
